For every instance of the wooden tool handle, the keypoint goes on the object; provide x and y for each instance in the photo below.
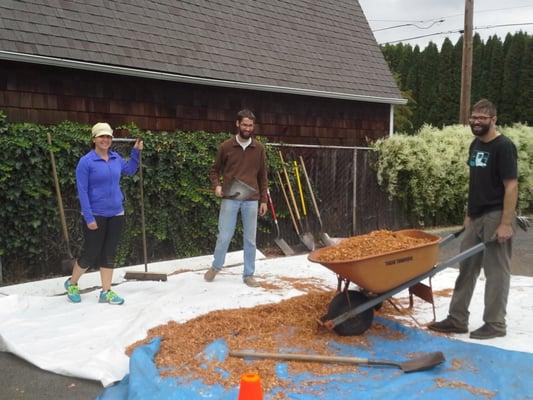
(293, 199)
(288, 203)
(297, 174)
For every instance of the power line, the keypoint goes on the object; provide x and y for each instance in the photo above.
(454, 31)
(415, 25)
(435, 20)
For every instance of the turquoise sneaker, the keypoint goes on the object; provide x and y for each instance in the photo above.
(73, 291)
(110, 297)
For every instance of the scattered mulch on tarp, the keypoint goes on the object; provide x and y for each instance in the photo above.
(443, 292)
(372, 244)
(290, 324)
(441, 383)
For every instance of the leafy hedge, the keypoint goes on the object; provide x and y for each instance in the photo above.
(429, 174)
(181, 212)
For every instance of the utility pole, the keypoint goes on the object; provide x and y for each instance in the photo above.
(466, 68)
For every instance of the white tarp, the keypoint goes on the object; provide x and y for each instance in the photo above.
(87, 340)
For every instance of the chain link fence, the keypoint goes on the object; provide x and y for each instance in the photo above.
(348, 197)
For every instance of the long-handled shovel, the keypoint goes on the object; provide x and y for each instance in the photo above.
(427, 361)
(326, 239)
(301, 192)
(288, 203)
(306, 237)
(282, 244)
(66, 264)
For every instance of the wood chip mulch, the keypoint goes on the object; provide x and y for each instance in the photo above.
(372, 244)
(290, 324)
(442, 383)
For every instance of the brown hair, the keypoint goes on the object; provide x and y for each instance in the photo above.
(245, 114)
(486, 106)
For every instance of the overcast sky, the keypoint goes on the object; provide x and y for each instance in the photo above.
(425, 13)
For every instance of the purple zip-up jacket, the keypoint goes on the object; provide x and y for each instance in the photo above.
(98, 183)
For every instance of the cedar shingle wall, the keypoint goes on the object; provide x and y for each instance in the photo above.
(46, 95)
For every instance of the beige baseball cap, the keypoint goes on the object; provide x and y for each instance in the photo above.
(101, 129)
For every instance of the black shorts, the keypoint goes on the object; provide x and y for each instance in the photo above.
(100, 245)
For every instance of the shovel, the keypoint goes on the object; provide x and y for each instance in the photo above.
(424, 362)
(66, 264)
(306, 238)
(326, 239)
(282, 244)
(288, 203)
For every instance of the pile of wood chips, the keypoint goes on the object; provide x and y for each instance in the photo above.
(372, 244)
(290, 324)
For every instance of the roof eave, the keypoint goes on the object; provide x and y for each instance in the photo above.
(88, 66)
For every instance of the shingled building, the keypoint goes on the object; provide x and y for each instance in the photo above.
(310, 69)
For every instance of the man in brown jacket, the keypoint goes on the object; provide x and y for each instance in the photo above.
(241, 163)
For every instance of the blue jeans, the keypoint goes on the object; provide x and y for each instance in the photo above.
(227, 220)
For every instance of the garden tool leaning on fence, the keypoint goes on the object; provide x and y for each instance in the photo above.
(67, 264)
(282, 244)
(145, 275)
(306, 237)
(326, 239)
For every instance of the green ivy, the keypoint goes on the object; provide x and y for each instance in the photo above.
(429, 174)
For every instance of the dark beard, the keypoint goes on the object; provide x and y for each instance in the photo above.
(482, 130)
(245, 135)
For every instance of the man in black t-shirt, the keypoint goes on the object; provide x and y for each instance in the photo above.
(492, 198)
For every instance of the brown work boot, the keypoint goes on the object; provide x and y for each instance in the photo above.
(487, 332)
(250, 281)
(210, 274)
(447, 325)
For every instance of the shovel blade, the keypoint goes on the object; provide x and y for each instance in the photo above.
(427, 361)
(327, 240)
(285, 248)
(308, 240)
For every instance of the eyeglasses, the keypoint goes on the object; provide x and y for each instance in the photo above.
(474, 118)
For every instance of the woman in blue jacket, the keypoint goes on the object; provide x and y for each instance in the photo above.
(98, 182)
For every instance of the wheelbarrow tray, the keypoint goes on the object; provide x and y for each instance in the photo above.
(383, 272)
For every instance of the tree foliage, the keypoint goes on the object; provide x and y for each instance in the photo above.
(429, 174)
(501, 72)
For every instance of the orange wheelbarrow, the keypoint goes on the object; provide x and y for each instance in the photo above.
(380, 277)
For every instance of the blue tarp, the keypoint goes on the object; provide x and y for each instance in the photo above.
(471, 371)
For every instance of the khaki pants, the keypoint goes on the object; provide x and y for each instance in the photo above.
(496, 264)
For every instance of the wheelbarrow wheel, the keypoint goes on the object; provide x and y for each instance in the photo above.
(344, 302)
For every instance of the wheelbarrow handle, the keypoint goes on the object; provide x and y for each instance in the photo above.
(448, 238)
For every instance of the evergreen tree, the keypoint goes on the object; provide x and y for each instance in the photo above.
(448, 85)
(427, 98)
(509, 110)
(412, 84)
(478, 66)
(493, 90)
(525, 103)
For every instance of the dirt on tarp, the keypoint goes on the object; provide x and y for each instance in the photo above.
(265, 328)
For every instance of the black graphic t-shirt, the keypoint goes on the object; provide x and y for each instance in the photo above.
(490, 164)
